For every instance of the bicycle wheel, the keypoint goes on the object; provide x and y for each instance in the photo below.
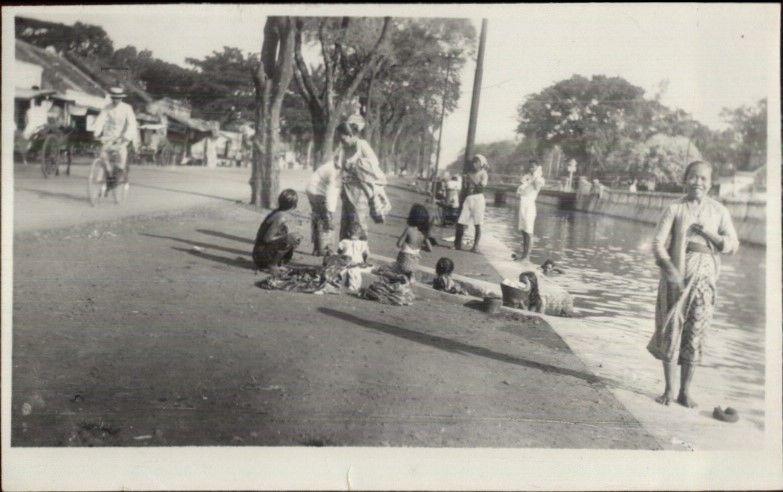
(50, 161)
(96, 181)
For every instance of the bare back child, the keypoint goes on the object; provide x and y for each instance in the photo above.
(412, 240)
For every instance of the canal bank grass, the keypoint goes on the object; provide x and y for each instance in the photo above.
(635, 378)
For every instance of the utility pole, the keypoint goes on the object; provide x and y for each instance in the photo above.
(474, 105)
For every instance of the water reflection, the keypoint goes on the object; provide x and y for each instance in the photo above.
(609, 268)
(611, 264)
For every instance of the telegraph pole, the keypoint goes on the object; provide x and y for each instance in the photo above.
(474, 105)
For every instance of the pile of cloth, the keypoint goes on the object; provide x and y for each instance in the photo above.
(332, 278)
(309, 279)
(392, 288)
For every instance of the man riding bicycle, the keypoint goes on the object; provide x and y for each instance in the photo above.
(116, 127)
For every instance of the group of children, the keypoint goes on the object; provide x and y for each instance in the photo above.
(275, 244)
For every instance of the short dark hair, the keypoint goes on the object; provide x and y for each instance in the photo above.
(698, 163)
(548, 263)
(444, 266)
(419, 218)
(287, 200)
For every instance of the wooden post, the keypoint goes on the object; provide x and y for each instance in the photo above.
(474, 105)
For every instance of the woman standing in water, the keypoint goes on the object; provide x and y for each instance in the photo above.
(531, 184)
(362, 178)
(691, 233)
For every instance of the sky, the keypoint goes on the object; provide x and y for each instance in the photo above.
(713, 56)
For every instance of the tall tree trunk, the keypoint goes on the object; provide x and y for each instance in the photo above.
(271, 80)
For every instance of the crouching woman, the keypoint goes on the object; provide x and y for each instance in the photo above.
(275, 244)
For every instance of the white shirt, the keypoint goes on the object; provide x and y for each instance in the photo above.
(355, 248)
(117, 122)
(325, 181)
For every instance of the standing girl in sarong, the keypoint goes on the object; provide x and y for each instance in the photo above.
(691, 233)
(412, 240)
(473, 206)
(527, 192)
(362, 178)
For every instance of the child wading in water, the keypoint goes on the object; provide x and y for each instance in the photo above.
(688, 238)
(412, 240)
(275, 244)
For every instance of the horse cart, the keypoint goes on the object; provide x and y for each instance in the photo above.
(51, 131)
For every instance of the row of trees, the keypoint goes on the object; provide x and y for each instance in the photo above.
(311, 73)
(611, 128)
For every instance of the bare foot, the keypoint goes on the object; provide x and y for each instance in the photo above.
(665, 399)
(686, 401)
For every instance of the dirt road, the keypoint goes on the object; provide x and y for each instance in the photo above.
(148, 330)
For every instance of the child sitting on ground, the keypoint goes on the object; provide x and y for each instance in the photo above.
(529, 283)
(358, 251)
(444, 268)
(275, 244)
(412, 240)
(550, 269)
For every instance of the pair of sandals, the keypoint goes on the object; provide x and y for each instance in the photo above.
(728, 415)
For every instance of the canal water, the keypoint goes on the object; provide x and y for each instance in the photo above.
(610, 271)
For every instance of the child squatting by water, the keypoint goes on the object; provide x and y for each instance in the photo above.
(687, 242)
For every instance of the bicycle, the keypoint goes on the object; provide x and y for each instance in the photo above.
(104, 178)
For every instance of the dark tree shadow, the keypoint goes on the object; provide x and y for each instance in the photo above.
(161, 188)
(199, 244)
(456, 347)
(226, 236)
(65, 196)
(238, 262)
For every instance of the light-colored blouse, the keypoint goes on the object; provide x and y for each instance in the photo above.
(672, 233)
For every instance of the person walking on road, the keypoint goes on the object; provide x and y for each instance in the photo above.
(473, 206)
(531, 184)
(362, 178)
(687, 241)
(322, 192)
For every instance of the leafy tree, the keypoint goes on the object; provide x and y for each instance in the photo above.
(663, 157)
(350, 48)
(81, 39)
(415, 82)
(226, 82)
(748, 134)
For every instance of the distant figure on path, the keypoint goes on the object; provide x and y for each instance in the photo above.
(322, 192)
(531, 184)
(632, 188)
(688, 238)
(361, 178)
(275, 244)
(473, 207)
